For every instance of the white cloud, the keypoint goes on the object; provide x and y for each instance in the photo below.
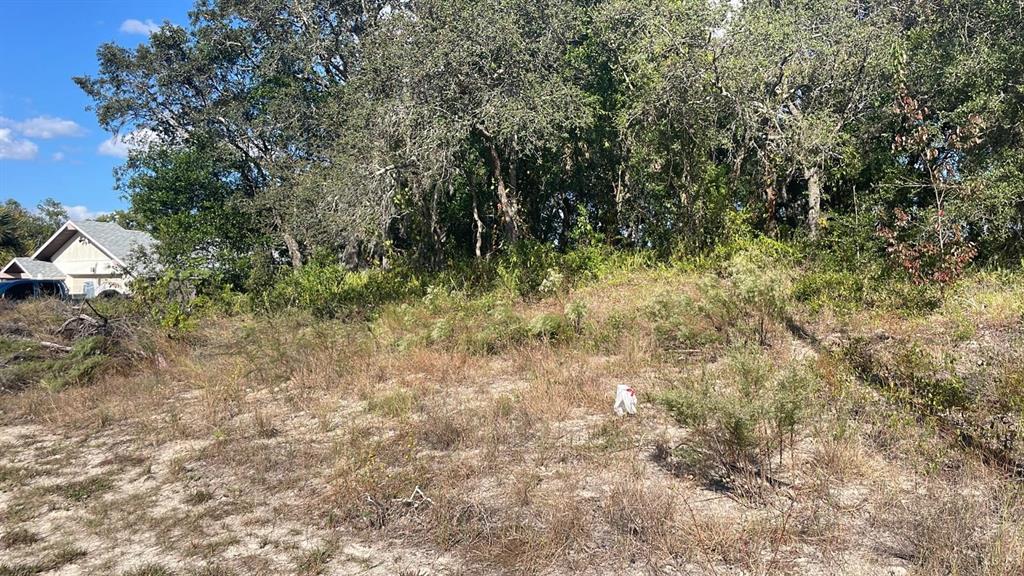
(44, 127)
(12, 148)
(57, 156)
(133, 26)
(119, 145)
(82, 213)
(48, 127)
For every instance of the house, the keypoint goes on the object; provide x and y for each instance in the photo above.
(90, 257)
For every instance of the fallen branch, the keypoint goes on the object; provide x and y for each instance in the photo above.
(97, 312)
(415, 500)
(80, 318)
(53, 346)
(43, 343)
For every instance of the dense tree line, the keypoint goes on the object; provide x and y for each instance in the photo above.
(291, 130)
(22, 231)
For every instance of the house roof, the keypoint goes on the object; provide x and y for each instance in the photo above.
(38, 269)
(112, 239)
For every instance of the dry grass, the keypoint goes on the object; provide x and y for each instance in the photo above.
(442, 439)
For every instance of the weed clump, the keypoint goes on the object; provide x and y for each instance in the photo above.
(85, 489)
(395, 404)
(19, 537)
(55, 560)
(548, 326)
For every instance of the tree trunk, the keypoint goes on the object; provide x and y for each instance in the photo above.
(771, 194)
(506, 203)
(478, 227)
(293, 250)
(813, 176)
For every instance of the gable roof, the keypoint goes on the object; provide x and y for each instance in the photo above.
(117, 241)
(38, 269)
(110, 238)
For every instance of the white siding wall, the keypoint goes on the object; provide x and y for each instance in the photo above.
(82, 261)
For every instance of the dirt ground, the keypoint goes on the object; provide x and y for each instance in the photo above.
(307, 448)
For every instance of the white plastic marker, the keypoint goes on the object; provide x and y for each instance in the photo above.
(625, 400)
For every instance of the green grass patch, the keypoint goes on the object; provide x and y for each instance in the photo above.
(393, 405)
(85, 489)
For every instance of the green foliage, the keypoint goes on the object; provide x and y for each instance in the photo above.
(678, 323)
(831, 289)
(22, 231)
(823, 285)
(500, 328)
(742, 239)
(187, 200)
(758, 283)
(88, 356)
(740, 419)
(577, 135)
(530, 268)
(393, 405)
(547, 326)
(27, 364)
(910, 374)
(576, 314)
(486, 324)
(179, 298)
(743, 293)
(23, 364)
(331, 291)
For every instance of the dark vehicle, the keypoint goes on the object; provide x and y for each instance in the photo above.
(27, 288)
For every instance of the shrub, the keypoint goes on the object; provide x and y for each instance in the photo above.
(576, 313)
(548, 326)
(331, 291)
(832, 289)
(751, 293)
(499, 329)
(909, 374)
(831, 282)
(678, 323)
(484, 324)
(527, 267)
(531, 268)
(741, 236)
(738, 423)
(87, 357)
(758, 284)
(933, 251)
(178, 299)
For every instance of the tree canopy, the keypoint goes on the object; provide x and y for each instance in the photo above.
(444, 130)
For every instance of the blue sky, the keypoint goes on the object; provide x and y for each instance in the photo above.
(50, 145)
